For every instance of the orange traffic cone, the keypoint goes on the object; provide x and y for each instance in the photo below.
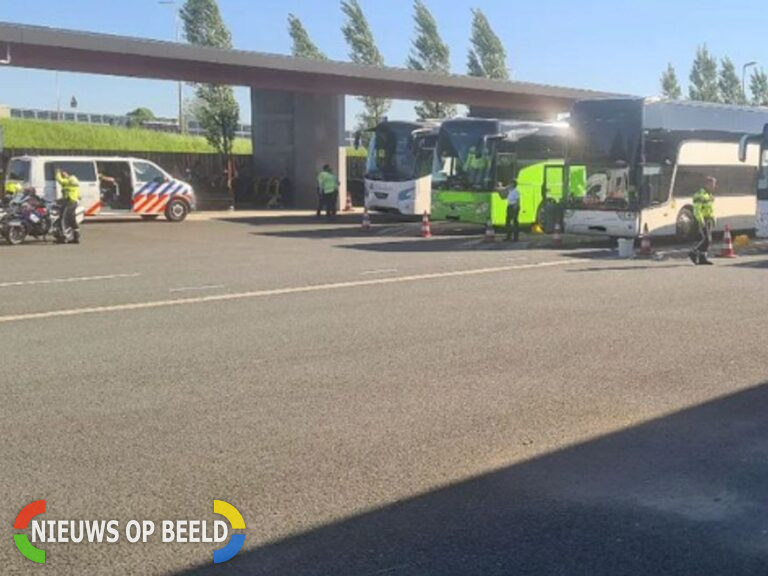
(558, 236)
(728, 251)
(490, 232)
(366, 220)
(646, 248)
(349, 207)
(426, 228)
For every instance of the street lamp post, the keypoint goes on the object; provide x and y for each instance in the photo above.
(744, 69)
(173, 4)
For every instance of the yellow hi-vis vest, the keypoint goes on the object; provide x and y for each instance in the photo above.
(70, 187)
(703, 206)
(327, 182)
(12, 188)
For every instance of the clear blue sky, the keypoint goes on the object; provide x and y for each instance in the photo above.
(620, 46)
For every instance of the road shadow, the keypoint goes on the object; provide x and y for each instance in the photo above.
(754, 264)
(640, 268)
(343, 218)
(684, 494)
(335, 229)
(438, 244)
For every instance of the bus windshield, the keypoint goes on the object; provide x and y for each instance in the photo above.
(607, 141)
(466, 155)
(394, 153)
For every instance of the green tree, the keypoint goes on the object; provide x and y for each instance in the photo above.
(487, 56)
(204, 25)
(303, 47)
(219, 116)
(704, 85)
(363, 50)
(136, 118)
(217, 109)
(758, 86)
(430, 54)
(670, 86)
(731, 90)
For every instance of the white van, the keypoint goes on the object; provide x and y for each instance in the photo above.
(108, 185)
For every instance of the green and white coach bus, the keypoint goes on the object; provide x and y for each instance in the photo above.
(477, 158)
(645, 159)
(398, 176)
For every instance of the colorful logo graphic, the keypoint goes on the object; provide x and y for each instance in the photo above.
(22, 540)
(94, 532)
(236, 520)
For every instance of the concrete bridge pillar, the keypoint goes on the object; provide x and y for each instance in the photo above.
(294, 135)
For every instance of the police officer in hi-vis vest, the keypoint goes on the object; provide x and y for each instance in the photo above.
(70, 196)
(704, 213)
(328, 186)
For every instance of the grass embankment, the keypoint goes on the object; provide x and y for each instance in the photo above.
(42, 135)
(23, 134)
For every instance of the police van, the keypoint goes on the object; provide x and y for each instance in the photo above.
(107, 185)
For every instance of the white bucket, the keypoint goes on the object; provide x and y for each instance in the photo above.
(626, 247)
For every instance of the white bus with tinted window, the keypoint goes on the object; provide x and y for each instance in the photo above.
(398, 177)
(745, 151)
(107, 185)
(646, 159)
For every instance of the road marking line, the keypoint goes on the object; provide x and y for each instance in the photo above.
(280, 291)
(66, 280)
(374, 272)
(197, 288)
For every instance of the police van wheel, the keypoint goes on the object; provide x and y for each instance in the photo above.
(686, 225)
(177, 211)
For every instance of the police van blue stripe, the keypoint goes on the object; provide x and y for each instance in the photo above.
(165, 189)
(176, 187)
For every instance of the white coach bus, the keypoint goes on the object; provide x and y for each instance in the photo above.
(747, 142)
(645, 159)
(398, 176)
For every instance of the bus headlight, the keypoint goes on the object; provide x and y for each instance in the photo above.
(405, 195)
(627, 216)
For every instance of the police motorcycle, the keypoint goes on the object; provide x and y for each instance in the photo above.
(5, 216)
(30, 215)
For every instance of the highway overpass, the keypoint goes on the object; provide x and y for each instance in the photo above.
(297, 104)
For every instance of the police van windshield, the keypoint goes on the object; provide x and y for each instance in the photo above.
(393, 153)
(606, 139)
(465, 158)
(18, 170)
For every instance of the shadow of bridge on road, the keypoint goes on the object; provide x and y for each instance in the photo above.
(684, 494)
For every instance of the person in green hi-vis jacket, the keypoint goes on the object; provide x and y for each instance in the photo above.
(704, 213)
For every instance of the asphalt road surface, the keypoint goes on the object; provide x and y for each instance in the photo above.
(381, 404)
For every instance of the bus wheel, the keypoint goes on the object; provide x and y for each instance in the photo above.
(686, 224)
(548, 216)
(176, 211)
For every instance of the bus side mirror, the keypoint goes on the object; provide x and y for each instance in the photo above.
(358, 139)
(743, 143)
